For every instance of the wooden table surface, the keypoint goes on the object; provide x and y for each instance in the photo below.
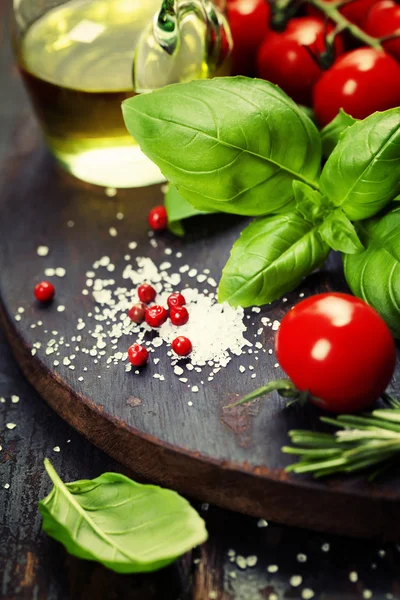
(290, 563)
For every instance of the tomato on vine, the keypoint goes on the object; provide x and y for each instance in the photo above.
(360, 82)
(383, 20)
(286, 58)
(248, 20)
(356, 11)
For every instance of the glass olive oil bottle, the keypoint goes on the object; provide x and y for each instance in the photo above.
(76, 61)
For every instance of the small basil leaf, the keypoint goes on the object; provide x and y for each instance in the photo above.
(339, 233)
(126, 526)
(331, 134)
(229, 144)
(271, 257)
(374, 275)
(310, 203)
(362, 174)
(178, 209)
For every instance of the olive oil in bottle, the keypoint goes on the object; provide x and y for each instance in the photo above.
(76, 61)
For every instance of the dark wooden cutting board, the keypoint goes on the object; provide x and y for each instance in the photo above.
(230, 457)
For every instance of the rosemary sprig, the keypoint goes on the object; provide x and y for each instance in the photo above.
(362, 442)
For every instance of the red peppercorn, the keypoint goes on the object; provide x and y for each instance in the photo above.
(137, 312)
(138, 355)
(156, 315)
(158, 218)
(179, 315)
(182, 346)
(146, 293)
(44, 291)
(176, 299)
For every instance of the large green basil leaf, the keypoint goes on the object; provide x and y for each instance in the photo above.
(362, 174)
(374, 275)
(271, 257)
(229, 144)
(178, 209)
(126, 526)
(332, 133)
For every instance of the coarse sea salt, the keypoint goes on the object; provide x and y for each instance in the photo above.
(217, 331)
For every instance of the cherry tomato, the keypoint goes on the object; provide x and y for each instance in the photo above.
(248, 20)
(361, 82)
(384, 20)
(356, 11)
(284, 60)
(339, 349)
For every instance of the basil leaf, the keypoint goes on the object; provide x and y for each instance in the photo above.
(362, 174)
(310, 203)
(126, 526)
(228, 144)
(270, 258)
(374, 275)
(339, 233)
(332, 132)
(178, 209)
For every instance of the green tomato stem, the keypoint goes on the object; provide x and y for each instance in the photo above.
(331, 11)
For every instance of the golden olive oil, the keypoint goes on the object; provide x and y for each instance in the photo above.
(77, 62)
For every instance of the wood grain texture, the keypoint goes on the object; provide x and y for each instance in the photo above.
(32, 566)
(230, 458)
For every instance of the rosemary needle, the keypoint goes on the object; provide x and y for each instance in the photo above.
(360, 443)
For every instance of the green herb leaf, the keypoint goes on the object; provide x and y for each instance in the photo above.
(332, 133)
(270, 258)
(339, 233)
(362, 174)
(229, 144)
(126, 526)
(311, 203)
(179, 209)
(374, 275)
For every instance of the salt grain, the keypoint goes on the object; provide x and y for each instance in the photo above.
(272, 568)
(302, 558)
(252, 560)
(56, 449)
(241, 562)
(262, 523)
(42, 251)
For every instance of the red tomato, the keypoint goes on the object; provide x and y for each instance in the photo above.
(384, 20)
(248, 20)
(339, 349)
(356, 11)
(284, 60)
(361, 82)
